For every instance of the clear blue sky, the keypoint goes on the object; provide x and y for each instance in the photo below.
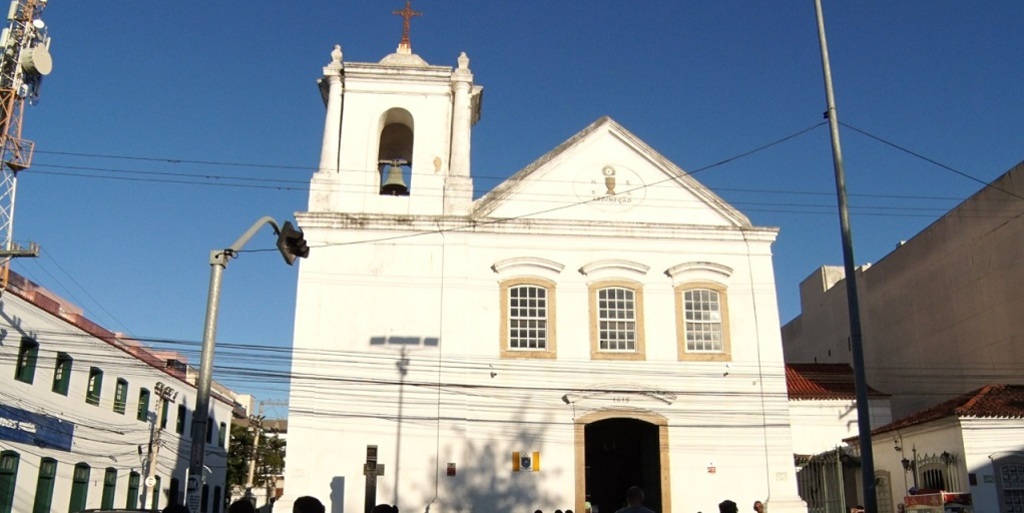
(234, 83)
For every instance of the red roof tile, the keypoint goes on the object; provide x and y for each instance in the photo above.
(991, 401)
(807, 381)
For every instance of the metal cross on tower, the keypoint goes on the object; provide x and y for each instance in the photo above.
(406, 14)
(24, 62)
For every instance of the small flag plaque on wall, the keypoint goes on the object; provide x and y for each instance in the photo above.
(525, 461)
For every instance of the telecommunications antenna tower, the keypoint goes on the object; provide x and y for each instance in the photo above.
(23, 64)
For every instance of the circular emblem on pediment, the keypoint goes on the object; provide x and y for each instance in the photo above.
(611, 187)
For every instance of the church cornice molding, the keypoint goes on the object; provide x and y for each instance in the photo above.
(455, 225)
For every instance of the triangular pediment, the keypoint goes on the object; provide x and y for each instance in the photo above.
(605, 173)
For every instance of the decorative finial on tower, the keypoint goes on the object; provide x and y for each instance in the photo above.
(336, 57)
(463, 61)
(405, 47)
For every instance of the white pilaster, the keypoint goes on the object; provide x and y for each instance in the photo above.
(459, 184)
(326, 177)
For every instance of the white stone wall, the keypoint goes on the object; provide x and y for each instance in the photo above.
(434, 287)
(986, 442)
(822, 425)
(102, 438)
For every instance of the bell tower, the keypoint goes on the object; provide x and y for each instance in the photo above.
(396, 134)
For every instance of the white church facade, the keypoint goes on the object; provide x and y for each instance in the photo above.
(597, 321)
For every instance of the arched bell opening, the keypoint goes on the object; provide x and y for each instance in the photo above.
(394, 154)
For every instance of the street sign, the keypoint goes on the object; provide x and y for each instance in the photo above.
(150, 481)
(193, 484)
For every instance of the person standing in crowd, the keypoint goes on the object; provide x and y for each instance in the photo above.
(759, 506)
(635, 501)
(307, 504)
(728, 506)
(242, 506)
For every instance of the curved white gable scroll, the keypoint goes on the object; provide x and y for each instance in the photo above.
(527, 265)
(696, 271)
(615, 267)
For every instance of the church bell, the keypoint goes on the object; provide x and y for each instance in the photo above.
(393, 184)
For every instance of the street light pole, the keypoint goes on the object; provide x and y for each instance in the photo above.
(867, 458)
(291, 244)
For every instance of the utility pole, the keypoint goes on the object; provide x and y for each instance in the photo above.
(163, 393)
(23, 64)
(867, 458)
(258, 421)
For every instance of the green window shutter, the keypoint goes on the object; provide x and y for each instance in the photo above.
(27, 356)
(163, 413)
(143, 413)
(121, 396)
(8, 476)
(109, 485)
(156, 494)
(179, 426)
(44, 487)
(133, 491)
(92, 393)
(79, 488)
(62, 373)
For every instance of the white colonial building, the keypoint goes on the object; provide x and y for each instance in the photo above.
(599, 320)
(83, 412)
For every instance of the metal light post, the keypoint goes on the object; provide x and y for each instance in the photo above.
(292, 244)
(867, 458)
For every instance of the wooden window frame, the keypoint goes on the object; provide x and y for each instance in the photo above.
(132, 498)
(43, 500)
(723, 304)
(109, 488)
(62, 373)
(121, 396)
(28, 356)
(94, 387)
(79, 487)
(550, 349)
(142, 413)
(639, 351)
(8, 478)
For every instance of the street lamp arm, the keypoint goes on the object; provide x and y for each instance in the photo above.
(219, 257)
(218, 262)
(237, 246)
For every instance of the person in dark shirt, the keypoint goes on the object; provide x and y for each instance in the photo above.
(307, 504)
(635, 501)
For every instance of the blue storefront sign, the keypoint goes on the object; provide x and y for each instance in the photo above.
(46, 431)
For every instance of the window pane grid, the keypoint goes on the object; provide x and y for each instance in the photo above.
(121, 396)
(616, 319)
(1012, 477)
(528, 317)
(702, 321)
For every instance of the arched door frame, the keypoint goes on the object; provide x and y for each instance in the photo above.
(580, 445)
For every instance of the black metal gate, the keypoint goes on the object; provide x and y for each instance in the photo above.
(820, 482)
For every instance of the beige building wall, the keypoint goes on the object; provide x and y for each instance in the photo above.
(941, 314)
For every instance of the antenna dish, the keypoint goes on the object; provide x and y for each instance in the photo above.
(37, 61)
(38, 24)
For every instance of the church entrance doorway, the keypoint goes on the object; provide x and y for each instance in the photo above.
(619, 453)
